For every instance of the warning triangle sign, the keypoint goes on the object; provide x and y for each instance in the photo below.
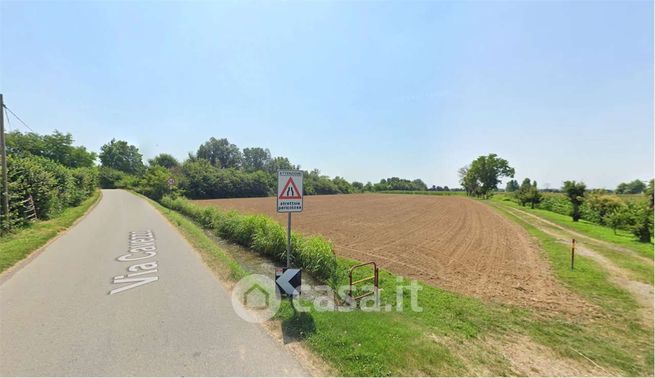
(290, 191)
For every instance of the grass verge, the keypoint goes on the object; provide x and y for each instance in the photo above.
(18, 245)
(592, 230)
(639, 269)
(215, 257)
(455, 334)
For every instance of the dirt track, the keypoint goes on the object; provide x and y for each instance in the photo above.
(453, 242)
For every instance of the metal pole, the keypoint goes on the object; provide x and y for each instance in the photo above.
(572, 253)
(3, 153)
(289, 240)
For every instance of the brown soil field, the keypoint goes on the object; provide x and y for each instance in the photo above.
(451, 242)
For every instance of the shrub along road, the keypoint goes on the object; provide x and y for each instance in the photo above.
(167, 315)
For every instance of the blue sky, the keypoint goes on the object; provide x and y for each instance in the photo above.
(363, 90)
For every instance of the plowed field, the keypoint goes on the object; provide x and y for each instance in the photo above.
(452, 242)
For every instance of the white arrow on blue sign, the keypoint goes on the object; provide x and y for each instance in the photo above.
(288, 281)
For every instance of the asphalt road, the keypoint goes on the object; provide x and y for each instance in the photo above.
(58, 318)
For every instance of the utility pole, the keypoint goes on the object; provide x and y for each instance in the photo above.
(3, 153)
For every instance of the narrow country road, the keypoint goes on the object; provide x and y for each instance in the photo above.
(58, 318)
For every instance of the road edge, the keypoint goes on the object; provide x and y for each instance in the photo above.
(309, 361)
(20, 264)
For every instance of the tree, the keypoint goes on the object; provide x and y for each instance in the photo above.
(343, 185)
(278, 163)
(255, 158)
(575, 192)
(468, 181)
(120, 155)
(643, 222)
(598, 205)
(155, 182)
(484, 174)
(220, 153)
(535, 197)
(618, 218)
(632, 187)
(418, 184)
(643, 228)
(58, 147)
(523, 193)
(358, 187)
(199, 178)
(164, 160)
(512, 186)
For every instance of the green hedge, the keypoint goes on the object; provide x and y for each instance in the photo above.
(263, 235)
(52, 187)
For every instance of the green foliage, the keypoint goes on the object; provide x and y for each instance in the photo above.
(315, 183)
(528, 194)
(512, 186)
(200, 179)
(599, 205)
(256, 159)
(617, 219)
(575, 192)
(342, 185)
(119, 155)
(110, 178)
(164, 160)
(51, 186)
(482, 177)
(279, 163)
(632, 187)
(57, 147)
(154, 183)
(263, 235)
(395, 183)
(642, 222)
(220, 153)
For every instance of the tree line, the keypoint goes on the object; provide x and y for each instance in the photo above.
(482, 176)
(46, 175)
(217, 169)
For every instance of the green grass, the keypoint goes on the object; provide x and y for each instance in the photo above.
(639, 269)
(17, 245)
(451, 335)
(622, 238)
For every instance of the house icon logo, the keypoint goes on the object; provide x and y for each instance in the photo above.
(254, 299)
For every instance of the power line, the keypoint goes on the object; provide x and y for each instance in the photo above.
(8, 123)
(18, 118)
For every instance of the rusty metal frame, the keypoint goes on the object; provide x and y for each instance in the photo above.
(374, 277)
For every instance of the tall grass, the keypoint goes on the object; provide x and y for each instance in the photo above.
(263, 235)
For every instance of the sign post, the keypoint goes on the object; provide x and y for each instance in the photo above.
(289, 199)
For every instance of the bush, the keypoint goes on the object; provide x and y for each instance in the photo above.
(52, 187)
(155, 182)
(262, 235)
(86, 182)
(109, 177)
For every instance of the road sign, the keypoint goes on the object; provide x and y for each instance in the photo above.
(171, 181)
(289, 191)
(287, 282)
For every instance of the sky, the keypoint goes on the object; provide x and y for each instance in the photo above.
(362, 89)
